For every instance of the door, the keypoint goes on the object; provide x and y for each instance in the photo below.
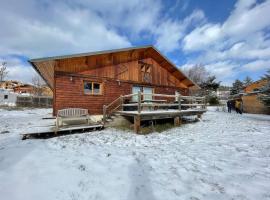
(147, 90)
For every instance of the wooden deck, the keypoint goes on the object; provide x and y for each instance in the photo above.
(48, 132)
(161, 114)
(159, 106)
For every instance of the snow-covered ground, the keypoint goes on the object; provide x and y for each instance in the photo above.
(224, 156)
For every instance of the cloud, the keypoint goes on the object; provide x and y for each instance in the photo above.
(169, 33)
(132, 16)
(257, 65)
(245, 21)
(201, 37)
(225, 71)
(39, 28)
(18, 70)
(66, 28)
(238, 45)
(44, 28)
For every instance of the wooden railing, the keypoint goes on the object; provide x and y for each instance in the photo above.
(119, 103)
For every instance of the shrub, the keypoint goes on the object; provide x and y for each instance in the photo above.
(213, 100)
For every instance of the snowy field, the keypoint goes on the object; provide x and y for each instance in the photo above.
(224, 156)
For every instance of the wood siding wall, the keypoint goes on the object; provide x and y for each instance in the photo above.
(69, 93)
(251, 104)
(129, 71)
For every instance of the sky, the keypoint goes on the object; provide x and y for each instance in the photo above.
(231, 38)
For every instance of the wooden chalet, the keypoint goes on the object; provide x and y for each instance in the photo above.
(123, 80)
(250, 98)
(24, 89)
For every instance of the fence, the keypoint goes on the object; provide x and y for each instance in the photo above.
(34, 101)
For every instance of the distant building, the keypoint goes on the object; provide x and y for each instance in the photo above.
(9, 84)
(251, 102)
(7, 97)
(24, 89)
(46, 91)
(223, 93)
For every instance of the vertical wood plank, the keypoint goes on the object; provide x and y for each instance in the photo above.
(137, 124)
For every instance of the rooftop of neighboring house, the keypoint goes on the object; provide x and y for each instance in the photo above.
(255, 86)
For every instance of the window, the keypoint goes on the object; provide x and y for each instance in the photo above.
(145, 72)
(135, 90)
(92, 88)
(5, 96)
(176, 95)
(144, 90)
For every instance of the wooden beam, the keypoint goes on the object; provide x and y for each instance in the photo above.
(190, 85)
(182, 79)
(137, 124)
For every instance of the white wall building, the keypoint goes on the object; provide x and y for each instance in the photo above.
(7, 97)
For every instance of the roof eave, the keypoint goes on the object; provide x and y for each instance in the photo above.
(89, 53)
(35, 68)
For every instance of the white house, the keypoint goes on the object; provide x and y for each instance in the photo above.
(7, 97)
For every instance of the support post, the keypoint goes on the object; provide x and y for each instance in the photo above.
(139, 101)
(104, 114)
(121, 102)
(179, 102)
(177, 121)
(137, 124)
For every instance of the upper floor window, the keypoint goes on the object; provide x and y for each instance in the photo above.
(145, 72)
(92, 88)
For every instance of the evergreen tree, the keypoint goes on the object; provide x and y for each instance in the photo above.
(210, 84)
(237, 87)
(247, 81)
(265, 90)
(267, 75)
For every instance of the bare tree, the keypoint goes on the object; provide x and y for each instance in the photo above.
(3, 71)
(38, 84)
(197, 73)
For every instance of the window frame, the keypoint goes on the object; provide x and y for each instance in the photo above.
(92, 91)
(146, 73)
(141, 87)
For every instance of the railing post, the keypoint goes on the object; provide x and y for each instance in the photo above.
(139, 101)
(121, 102)
(179, 101)
(204, 102)
(104, 114)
